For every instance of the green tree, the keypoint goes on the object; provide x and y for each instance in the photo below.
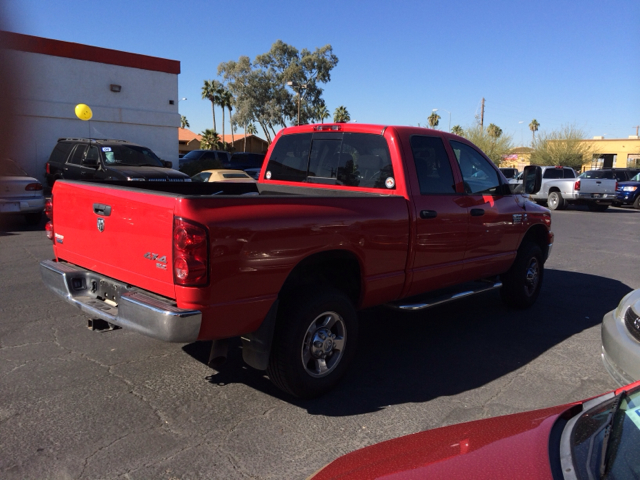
(321, 113)
(184, 123)
(251, 130)
(433, 119)
(211, 91)
(494, 131)
(533, 126)
(493, 147)
(341, 115)
(260, 87)
(225, 101)
(210, 140)
(457, 130)
(564, 146)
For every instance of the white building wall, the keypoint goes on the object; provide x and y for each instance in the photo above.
(52, 87)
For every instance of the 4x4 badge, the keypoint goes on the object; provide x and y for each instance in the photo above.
(101, 224)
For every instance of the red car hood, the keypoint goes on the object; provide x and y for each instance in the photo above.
(507, 447)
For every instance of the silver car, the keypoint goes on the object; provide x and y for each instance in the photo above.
(621, 340)
(19, 193)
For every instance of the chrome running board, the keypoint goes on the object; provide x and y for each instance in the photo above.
(432, 302)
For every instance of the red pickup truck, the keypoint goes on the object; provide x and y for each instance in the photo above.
(343, 217)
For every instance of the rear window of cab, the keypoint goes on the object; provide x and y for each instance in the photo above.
(333, 158)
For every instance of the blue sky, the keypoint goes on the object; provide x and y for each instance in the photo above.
(560, 62)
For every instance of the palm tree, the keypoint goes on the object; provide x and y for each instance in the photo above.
(341, 115)
(433, 119)
(251, 130)
(226, 101)
(457, 130)
(322, 113)
(184, 123)
(494, 131)
(211, 91)
(533, 126)
(210, 140)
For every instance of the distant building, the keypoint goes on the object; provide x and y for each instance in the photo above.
(614, 152)
(133, 97)
(191, 141)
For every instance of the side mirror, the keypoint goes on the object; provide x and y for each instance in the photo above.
(167, 164)
(532, 179)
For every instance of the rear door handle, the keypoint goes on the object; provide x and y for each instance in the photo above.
(101, 209)
(428, 214)
(477, 212)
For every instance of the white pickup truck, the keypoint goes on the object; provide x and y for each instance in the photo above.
(558, 187)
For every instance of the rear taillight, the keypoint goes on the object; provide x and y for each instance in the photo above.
(616, 185)
(576, 186)
(190, 253)
(48, 210)
(48, 169)
(33, 187)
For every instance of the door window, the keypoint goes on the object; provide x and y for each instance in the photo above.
(78, 155)
(432, 165)
(478, 173)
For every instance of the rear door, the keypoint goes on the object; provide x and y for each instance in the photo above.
(121, 232)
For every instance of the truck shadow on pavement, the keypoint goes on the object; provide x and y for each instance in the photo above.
(446, 350)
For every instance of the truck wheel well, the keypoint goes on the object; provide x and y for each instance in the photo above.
(554, 189)
(538, 235)
(339, 269)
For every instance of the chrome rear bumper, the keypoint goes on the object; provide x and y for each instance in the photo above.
(131, 308)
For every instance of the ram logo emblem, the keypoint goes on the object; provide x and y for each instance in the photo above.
(100, 224)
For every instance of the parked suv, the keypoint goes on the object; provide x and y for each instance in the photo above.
(249, 162)
(201, 155)
(629, 192)
(103, 159)
(619, 174)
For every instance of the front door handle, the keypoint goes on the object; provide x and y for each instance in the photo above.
(477, 212)
(428, 214)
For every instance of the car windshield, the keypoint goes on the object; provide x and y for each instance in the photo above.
(606, 439)
(193, 155)
(8, 168)
(131, 155)
(636, 178)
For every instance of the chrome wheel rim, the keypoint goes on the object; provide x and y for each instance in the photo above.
(532, 277)
(553, 201)
(323, 344)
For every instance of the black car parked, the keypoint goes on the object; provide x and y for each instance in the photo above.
(202, 155)
(249, 162)
(104, 159)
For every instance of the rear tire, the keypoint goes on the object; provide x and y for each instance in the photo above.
(594, 207)
(314, 342)
(556, 201)
(521, 284)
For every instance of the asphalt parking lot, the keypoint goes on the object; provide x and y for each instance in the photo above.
(80, 405)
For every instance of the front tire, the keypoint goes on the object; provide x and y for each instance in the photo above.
(314, 342)
(521, 284)
(636, 203)
(556, 201)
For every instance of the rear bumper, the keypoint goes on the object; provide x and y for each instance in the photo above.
(620, 352)
(131, 308)
(600, 198)
(22, 205)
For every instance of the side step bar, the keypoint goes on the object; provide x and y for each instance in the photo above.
(439, 300)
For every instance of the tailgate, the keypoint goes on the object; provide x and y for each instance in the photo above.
(122, 233)
(597, 185)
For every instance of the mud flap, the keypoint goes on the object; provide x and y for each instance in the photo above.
(256, 346)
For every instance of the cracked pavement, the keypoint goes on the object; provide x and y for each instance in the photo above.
(76, 404)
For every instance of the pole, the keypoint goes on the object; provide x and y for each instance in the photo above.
(482, 115)
(298, 106)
